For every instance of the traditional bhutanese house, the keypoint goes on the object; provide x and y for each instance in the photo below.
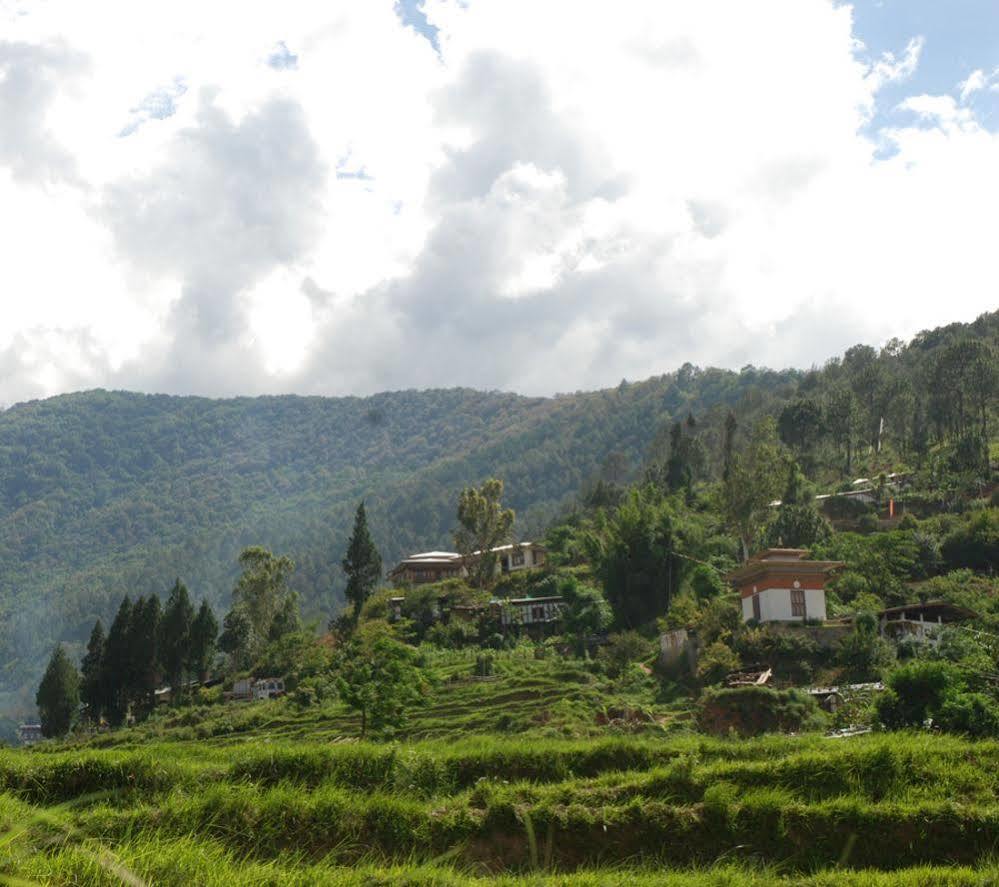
(435, 566)
(428, 566)
(520, 556)
(783, 585)
(920, 623)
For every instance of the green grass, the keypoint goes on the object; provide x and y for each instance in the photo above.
(287, 812)
(271, 794)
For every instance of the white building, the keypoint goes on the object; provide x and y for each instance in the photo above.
(782, 585)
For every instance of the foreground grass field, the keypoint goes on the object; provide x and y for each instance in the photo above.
(683, 810)
(548, 774)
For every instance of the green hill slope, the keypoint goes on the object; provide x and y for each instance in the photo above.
(108, 493)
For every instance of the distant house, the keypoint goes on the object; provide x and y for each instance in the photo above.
(920, 623)
(435, 566)
(529, 611)
(29, 734)
(429, 566)
(242, 691)
(783, 585)
(268, 688)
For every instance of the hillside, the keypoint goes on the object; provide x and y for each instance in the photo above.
(108, 493)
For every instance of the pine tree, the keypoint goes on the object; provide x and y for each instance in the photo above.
(362, 563)
(58, 697)
(204, 632)
(175, 636)
(144, 663)
(117, 663)
(93, 692)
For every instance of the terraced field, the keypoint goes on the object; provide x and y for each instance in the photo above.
(617, 810)
(526, 779)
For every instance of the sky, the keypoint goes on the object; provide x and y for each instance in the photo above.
(362, 195)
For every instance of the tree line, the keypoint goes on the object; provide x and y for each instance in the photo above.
(146, 645)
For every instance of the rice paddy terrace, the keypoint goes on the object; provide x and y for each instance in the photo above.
(557, 793)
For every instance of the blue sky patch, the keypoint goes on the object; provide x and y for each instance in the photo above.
(960, 38)
(411, 14)
(282, 58)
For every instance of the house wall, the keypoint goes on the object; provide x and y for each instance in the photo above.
(775, 605)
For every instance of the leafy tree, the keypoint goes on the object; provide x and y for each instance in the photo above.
(842, 417)
(754, 482)
(117, 664)
(483, 524)
(728, 445)
(587, 612)
(706, 584)
(377, 677)
(204, 631)
(58, 697)
(175, 636)
(798, 523)
(287, 619)
(237, 637)
(362, 563)
(93, 683)
(634, 554)
(261, 592)
(800, 425)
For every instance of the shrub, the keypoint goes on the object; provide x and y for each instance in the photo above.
(624, 648)
(862, 653)
(717, 660)
(751, 711)
(916, 691)
(868, 523)
(973, 714)
(975, 543)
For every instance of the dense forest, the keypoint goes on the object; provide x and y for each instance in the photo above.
(104, 494)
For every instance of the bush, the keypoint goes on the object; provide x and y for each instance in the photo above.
(792, 655)
(973, 714)
(624, 648)
(715, 662)
(915, 692)
(862, 654)
(751, 711)
(975, 543)
(868, 523)
(485, 665)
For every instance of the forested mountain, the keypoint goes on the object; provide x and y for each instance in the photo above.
(108, 493)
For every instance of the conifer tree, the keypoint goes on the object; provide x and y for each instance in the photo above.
(175, 636)
(58, 697)
(204, 631)
(93, 691)
(362, 563)
(144, 662)
(117, 664)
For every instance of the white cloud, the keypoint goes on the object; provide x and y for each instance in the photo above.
(317, 200)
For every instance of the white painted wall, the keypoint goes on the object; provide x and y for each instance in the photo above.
(775, 605)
